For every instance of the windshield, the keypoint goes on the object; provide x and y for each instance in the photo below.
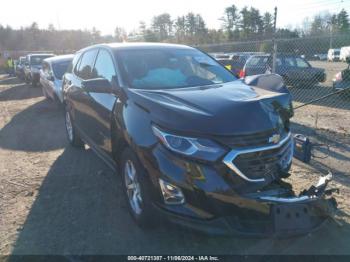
(60, 68)
(170, 68)
(336, 52)
(36, 60)
(257, 61)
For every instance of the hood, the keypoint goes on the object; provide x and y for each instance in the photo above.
(226, 109)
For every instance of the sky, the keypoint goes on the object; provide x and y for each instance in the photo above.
(105, 15)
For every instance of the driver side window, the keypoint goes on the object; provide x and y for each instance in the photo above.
(104, 66)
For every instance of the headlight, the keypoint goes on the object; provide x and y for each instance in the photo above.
(196, 147)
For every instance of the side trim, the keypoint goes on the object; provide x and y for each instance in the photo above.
(231, 156)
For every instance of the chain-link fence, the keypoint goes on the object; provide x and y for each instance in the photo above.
(317, 74)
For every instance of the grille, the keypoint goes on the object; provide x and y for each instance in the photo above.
(265, 164)
(255, 139)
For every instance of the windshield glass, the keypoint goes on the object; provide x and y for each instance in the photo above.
(36, 60)
(170, 68)
(257, 61)
(60, 68)
(336, 52)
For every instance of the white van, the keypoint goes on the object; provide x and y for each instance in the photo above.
(333, 55)
(344, 53)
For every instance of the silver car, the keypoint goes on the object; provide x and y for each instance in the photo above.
(51, 74)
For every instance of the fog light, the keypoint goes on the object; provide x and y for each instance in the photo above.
(172, 194)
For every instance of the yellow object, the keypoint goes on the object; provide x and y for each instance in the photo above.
(229, 67)
(10, 63)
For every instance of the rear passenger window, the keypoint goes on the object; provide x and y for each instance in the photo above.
(289, 61)
(86, 64)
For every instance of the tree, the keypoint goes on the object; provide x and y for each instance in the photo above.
(180, 28)
(343, 21)
(230, 20)
(162, 26)
(119, 34)
(268, 22)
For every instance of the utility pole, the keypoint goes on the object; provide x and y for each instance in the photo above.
(274, 54)
(331, 39)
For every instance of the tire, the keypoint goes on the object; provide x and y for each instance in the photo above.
(136, 195)
(34, 83)
(72, 134)
(45, 94)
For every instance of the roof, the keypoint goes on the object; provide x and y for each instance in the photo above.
(59, 58)
(41, 54)
(139, 45)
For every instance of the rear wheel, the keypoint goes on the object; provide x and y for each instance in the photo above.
(72, 135)
(134, 185)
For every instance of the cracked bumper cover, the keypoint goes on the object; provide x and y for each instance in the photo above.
(278, 213)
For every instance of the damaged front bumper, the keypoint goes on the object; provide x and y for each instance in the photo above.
(279, 213)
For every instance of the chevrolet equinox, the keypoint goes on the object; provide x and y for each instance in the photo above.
(192, 143)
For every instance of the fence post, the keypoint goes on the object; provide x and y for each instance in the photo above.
(274, 44)
(274, 56)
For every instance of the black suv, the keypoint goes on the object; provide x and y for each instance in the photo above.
(192, 143)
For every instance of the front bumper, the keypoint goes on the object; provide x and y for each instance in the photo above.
(278, 216)
(220, 202)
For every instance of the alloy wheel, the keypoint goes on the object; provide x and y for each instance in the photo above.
(133, 189)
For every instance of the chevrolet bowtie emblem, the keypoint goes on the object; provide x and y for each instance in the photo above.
(274, 139)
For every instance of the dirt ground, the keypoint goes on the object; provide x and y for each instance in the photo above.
(55, 199)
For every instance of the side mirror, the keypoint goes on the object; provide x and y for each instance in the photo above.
(98, 85)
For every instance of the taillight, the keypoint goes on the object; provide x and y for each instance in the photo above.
(338, 77)
(241, 74)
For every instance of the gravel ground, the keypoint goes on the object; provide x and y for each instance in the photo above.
(55, 199)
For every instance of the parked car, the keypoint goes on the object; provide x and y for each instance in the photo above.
(234, 63)
(333, 55)
(220, 55)
(321, 57)
(193, 144)
(295, 70)
(32, 67)
(19, 69)
(341, 80)
(51, 74)
(344, 53)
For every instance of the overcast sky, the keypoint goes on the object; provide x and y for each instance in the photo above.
(105, 15)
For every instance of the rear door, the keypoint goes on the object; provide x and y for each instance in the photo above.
(78, 97)
(101, 103)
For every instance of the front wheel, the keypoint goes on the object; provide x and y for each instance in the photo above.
(134, 185)
(72, 135)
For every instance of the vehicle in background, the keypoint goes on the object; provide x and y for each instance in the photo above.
(234, 63)
(220, 55)
(341, 80)
(344, 53)
(19, 69)
(192, 143)
(295, 70)
(321, 57)
(51, 75)
(32, 67)
(333, 55)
